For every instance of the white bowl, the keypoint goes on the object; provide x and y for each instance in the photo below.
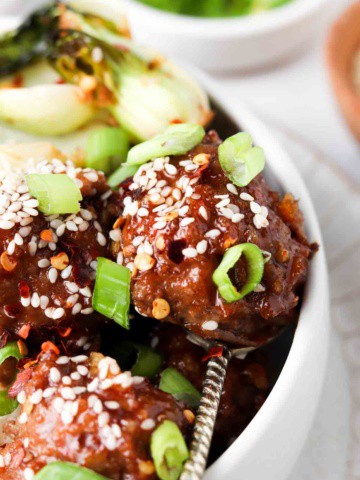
(270, 445)
(246, 42)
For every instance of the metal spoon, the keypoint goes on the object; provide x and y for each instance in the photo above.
(195, 466)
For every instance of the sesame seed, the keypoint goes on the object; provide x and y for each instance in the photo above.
(23, 418)
(115, 235)
(232, 189)
(189, 252)
(103, 419)
(213, 233)
(36, 397)
(147, 424)
(183, 210)
(201, 246)
(53, 275)
(66, 417)
(186, 221)
(246, 196)
(223, 203)
(79, 358)
(101, 239)
(67, 393)
(49, 392)
(54, 375)
(170, 169)
(63, 360)
(237, 217)
(28, 474)
(25, 302)
(85, 291)
(44, 301)
(21, 398)
(35, 300)
(82, 370)
(203, 212)
(143, 212)
(210, 325)
(255, 207)
(66, 380)
(58, 313)
(112, 405)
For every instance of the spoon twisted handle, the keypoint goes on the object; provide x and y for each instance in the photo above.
(194, 467)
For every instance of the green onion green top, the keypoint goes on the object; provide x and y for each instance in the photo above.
(122, 173)
(56, 193)
(112, 291)
(215, 8)
(66, 471)
(7, 404)
(176, 140)
(168, 450)
(241, 161)
(143, 361)
(106, 149)
(255, 270)
(173, 382)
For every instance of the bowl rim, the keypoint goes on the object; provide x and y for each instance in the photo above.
(316, 298)
(173, 23)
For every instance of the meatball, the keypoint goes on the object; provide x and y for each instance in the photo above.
(86, 411)
(245, 389)
(47, 263)
(180, 216)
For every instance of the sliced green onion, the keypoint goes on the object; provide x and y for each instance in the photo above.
(241, 161)
(7, 404)
(148, 362)
(66, 471)
(176, 140)
(143, 361)
(112, 291)
(255, 270)
(56, 193)
(106, 149)
(168, 450)
(11, 349)
(173, 382)
(122, 173)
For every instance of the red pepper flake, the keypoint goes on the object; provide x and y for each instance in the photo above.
(65, 333)
(18, 81)
(24, 289)
(213, 352)
(50, 347)
(21, 380)
(176, 121)
(17, 457)
(22, 348)
(60, 81)
(24, 331)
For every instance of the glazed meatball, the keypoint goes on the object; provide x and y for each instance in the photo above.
(245, 389)
(47, 263)
(86, 411)
(180, 216)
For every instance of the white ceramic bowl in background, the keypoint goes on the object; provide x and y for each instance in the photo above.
(246, 42)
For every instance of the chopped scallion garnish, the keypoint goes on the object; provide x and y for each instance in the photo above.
(106, 149)
(173, 382)
(255, 270)
(241, 161)
(168, 450)
(7, 404)
(148, 362)
(66, 471)
(122, 173)
(176, 140)
(56, 193)
(112, 291)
